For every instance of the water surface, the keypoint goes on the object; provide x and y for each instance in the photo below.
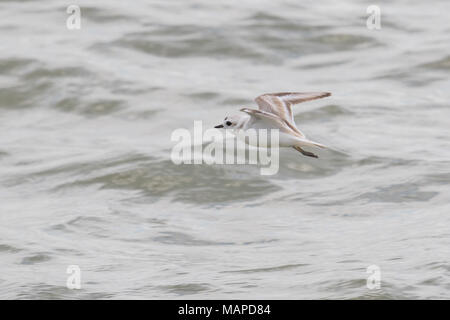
(86, 177)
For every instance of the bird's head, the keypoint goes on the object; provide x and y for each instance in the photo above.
(231, 122)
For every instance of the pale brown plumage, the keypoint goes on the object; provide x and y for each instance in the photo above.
(277, 108)
(280, 104)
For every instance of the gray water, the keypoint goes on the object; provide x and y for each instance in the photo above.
(86, 177)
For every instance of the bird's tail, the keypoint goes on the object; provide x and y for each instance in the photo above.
(309, 143)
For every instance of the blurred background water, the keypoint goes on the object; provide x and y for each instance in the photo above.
(86, 177)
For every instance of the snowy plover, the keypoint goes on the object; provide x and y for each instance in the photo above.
(275, 112)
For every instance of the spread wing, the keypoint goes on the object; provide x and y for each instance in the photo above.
(274, 121)
(280, 104)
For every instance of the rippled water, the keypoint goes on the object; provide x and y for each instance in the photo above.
(86, 177)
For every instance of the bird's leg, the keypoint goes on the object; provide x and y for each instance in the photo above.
(305, 153)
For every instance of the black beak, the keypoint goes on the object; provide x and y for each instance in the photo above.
(219, 126)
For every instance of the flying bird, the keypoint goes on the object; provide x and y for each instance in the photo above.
(275, 112)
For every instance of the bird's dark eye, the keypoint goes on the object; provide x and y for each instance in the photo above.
(228, 123)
